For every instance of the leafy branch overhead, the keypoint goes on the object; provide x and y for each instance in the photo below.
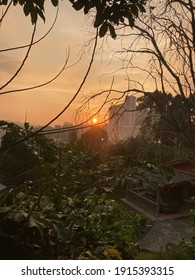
(108, 14)
(34, 8)
(111, 13)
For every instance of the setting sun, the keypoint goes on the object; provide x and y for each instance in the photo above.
(94, 120)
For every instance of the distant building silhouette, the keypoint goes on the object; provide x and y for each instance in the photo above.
(124, 120)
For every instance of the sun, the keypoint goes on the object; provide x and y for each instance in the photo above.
(94, 120)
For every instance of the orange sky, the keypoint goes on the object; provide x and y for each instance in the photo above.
(45, 60)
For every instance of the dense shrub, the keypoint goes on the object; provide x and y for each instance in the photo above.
(63, 212)
(32, 228)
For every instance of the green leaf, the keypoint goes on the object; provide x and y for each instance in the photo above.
(33, 14)
(103, 29)
(134, 10)
(98, 20)
(107, 189)
(55, 2)
(5, 209)
(17, 215)
(38, 223)
(131, 20)
(40, 4)
(59, 231)
(78, 5)
(87, 8)
(142, 9)
(41, 14)
(3, 2)
(26, 9)
(112, 31)
(103, 197)
(21, 2)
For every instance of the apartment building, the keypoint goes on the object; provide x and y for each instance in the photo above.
(124, 120)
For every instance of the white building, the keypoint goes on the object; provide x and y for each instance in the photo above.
(124, 120)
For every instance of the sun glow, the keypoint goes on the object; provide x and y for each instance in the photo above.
(94, 120)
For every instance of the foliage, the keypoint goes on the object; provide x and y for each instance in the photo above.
(63, 214)
(111, 175)
(34, 8)
(66, 214)
(143, 148)
(108, 226)
(111, 13)
(28, 160)
(95, 139)
(185, 250)
(149, 176)
(84, 172)
(78, 169)
(120, 173)
(168, 118)
(192, 211)
(32, 228)
(108, 13)
(169, 66)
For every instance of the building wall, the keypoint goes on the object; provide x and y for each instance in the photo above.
(124, 120)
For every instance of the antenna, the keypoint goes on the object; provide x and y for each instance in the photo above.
(26, 114)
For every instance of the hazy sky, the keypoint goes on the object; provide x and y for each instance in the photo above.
(45, 61)
(72, 31)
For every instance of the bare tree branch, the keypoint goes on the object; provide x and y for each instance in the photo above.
(37, 41)
(23, 62)
(65, 67)
(67, 105)
(6, 11)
